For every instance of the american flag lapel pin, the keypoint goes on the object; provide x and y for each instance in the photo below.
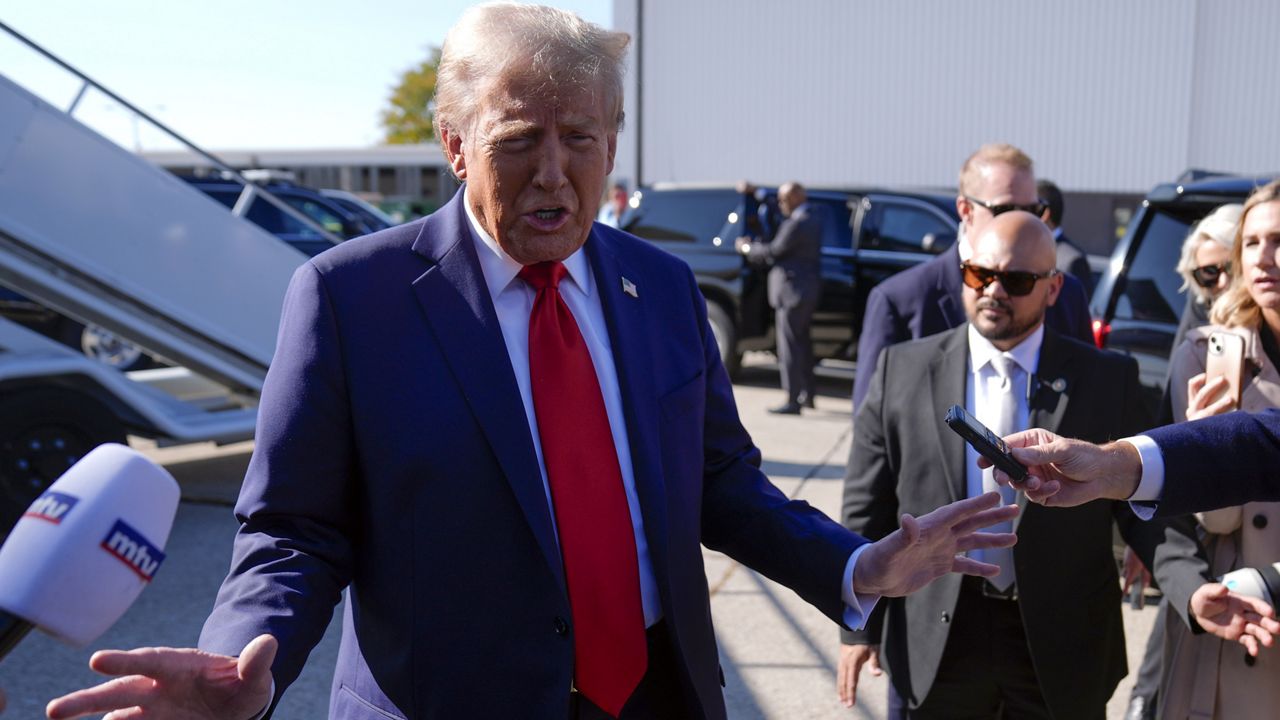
(629, 288)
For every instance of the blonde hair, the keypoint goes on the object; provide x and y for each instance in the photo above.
(1218, 226)
(1235, 306)
(553, 49)
(990, 154)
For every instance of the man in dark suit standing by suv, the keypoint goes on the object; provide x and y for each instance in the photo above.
(794, 257)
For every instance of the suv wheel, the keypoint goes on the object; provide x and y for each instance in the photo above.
(44, 431)
(726, 337)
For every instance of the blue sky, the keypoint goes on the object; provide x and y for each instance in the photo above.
(236, 74)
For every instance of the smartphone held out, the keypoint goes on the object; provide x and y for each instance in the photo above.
(987, 443)
(1225, 359)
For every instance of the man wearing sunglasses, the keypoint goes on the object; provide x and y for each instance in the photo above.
(925, 299)
(1044, 638)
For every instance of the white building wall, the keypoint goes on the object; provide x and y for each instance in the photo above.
(1105, 96)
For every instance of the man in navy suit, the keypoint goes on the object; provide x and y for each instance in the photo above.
(924, 300)
(1172, 470)
(515, 539)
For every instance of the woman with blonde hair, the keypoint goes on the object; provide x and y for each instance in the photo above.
(1203, 265)
(1203, 677)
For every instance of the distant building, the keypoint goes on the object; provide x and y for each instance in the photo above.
(1109, 98)
(411, 179)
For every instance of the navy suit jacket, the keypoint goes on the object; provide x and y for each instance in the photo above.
(1219, 461)
(924, 300)
(393, 459)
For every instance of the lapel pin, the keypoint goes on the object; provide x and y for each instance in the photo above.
(629, 288)
(1058, 385)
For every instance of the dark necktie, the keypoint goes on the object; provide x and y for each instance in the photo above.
(590, 504)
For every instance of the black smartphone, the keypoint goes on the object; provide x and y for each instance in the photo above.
(985, 442)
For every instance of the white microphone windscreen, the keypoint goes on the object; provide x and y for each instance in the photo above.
(85, 549)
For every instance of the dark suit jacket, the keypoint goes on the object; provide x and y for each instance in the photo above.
(1219, 461)
(905, 459)
(925, 299)
(393, 459)
(794, 257)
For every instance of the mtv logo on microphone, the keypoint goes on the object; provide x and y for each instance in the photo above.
(51, 507)
(131, 548)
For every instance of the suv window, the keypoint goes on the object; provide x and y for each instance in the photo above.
(682, 217)
(1150, 290)
(314, 210)
(902, 227)
(267, 216)
(277, 222)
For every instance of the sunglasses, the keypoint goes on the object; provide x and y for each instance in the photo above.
(1207, 275)
(1015, 282)
(1036, 208)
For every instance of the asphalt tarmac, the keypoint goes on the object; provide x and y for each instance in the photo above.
(779, 655)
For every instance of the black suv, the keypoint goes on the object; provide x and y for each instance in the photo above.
(1137, 304)
(868, 235)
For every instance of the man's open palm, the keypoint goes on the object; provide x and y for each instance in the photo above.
(926, 548)
(175, 684)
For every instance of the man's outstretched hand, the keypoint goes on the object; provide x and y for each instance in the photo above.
(175, 684)
(926, 548)
(1066, 472)
(1248, 621)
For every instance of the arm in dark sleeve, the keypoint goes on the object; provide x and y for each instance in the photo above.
(870, 504)
(794, 233)
(1219, 461)
(293, 553)
(881, 327)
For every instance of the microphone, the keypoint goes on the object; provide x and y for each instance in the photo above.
(1261, 582)
(85, 549)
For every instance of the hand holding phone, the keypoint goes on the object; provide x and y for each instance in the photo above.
(987, 443)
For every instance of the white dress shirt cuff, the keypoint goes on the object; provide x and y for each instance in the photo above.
(857, 607)
(1146, 498)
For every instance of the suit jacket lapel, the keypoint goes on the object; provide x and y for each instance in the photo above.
(1053, 383)
(456, 304)
(946, 376)
(626, 317)
(1046, 405)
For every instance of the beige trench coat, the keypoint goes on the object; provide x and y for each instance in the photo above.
(1205, 677)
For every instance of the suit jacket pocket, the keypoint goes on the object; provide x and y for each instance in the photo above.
(347, 704)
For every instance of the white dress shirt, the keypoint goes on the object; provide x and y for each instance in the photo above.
(1147, 495)
(983, 385)
(513, 302)
(982, 397)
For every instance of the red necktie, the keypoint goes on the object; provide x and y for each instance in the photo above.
(592, 516)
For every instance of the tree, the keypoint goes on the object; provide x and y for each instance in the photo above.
(409, 117)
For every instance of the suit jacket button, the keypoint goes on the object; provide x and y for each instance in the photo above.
(562, 627)
(1259, 521)
(946, 616)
